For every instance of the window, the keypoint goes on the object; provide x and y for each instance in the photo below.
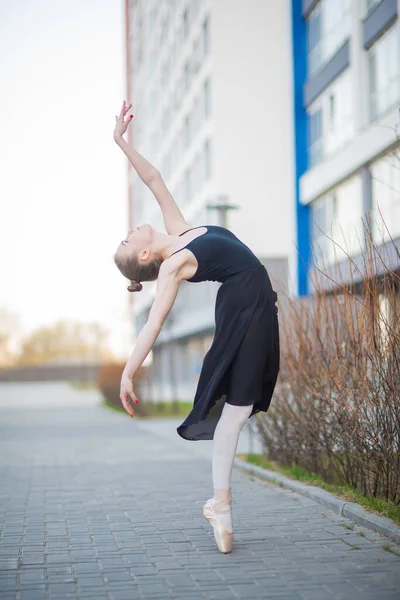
(207, 98)
(384, 73)
(371, 4)
(385, 175)
(207, 160)
(186, 23)
(164, 29)
(197, 117)
(206, 38)
(328, 26)
(332, 113)
(315, 140)
(330, 119)
(188, 190)
(314, 39)
(187, 77)
(187, 131)
(338, 215)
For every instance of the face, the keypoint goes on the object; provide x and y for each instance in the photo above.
(138, 241)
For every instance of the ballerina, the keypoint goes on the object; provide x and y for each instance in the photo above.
(240, 369)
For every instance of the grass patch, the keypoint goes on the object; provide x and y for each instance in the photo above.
(157, 409)
(83, 385)
(379, 506)
(390, 548)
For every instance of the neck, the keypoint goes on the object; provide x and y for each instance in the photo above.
(163, 244)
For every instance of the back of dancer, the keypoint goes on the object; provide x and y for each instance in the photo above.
(220, 254)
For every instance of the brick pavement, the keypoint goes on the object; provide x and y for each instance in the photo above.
(96, 505)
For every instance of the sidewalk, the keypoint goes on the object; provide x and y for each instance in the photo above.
(96, 505)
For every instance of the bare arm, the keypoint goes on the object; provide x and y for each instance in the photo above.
(174, 221)
(143, 168)
(167, 290)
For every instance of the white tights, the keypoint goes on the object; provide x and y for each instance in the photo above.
(226, 437)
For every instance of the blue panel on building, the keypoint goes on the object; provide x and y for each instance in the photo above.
(299, 49)
(378, 20)
(331, 70)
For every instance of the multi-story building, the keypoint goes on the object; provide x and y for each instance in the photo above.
(287, 111)
(211, 87)
(346, 71)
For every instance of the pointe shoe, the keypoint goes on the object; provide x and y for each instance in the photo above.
(223, 537)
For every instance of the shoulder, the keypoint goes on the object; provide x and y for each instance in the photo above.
(172, 265)
(179, 266)
(177, 227)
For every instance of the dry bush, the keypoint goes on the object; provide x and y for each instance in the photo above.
(336, 410)
(109, 381)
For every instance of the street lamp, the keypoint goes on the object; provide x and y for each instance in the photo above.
(221, 205)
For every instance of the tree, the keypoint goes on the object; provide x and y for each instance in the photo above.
(65, 342)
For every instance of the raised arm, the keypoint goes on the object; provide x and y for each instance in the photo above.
(174, 221)
(143, 168)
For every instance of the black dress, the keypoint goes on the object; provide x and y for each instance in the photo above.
(241, 367)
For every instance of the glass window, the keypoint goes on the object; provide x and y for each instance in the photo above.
(164, 29)
(315, 140)
(384, 73)
(337, 215)
(187, 131)
(196, 57)
(207, 160)
(186, 23)
(330, 119)
(385, 175)
(188, 190)
(187, 77)
(332, 113)
(371, 4)
(314, 39)
(152, 20)
(207, 98)
(328, 26)
(206, 38)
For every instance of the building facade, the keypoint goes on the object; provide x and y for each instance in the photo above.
(346, 66)
(211, 86)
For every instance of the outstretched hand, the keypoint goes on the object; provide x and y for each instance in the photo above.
(120, 125)
(127, 394)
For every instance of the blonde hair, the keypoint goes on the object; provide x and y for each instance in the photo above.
(136, 272)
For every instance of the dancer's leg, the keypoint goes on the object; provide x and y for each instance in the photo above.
(226, 437)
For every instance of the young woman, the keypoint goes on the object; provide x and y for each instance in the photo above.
(240, 369)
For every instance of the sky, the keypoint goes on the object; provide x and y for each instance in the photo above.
(63, 189)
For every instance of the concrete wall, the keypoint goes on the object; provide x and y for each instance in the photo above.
(253, 137)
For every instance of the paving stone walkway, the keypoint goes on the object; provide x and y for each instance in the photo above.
(96, 505)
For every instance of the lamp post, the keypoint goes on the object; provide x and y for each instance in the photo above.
(221, 205)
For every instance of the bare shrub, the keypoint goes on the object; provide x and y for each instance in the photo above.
(336, 410)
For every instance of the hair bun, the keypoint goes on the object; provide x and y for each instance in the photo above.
(135, 286)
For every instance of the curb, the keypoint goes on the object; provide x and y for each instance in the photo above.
(351, 510)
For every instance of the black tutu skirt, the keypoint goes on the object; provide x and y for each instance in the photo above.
(241, 367)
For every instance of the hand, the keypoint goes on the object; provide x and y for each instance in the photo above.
(120, 125)
(126, 393)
